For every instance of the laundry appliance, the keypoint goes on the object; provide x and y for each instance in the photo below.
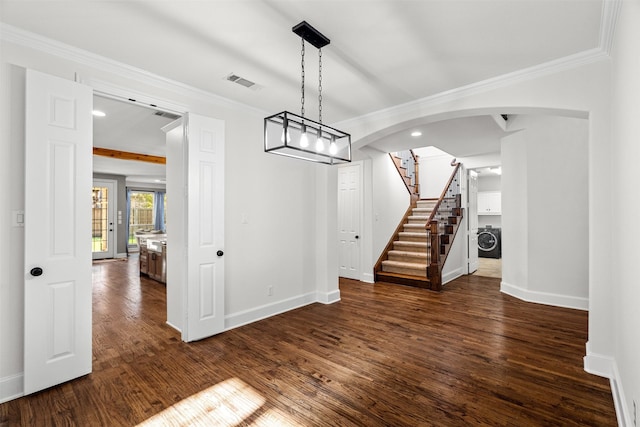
(489, 242)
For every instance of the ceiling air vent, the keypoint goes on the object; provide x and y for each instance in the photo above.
(241, 81)
(166, 115)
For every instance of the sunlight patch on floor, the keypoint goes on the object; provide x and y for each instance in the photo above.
(229, 403)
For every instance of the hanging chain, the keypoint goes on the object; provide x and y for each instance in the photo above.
(320, 85)
(302, 66)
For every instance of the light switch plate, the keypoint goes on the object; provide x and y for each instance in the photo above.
(17, 218)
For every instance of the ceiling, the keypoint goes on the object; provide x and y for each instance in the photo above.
(132, 128)
(382, 52)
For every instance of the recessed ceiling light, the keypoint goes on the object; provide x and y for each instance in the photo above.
(98, 113)
(416, 133)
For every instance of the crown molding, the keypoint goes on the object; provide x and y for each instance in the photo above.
(548, 68)
(608, 21)
(52, 47)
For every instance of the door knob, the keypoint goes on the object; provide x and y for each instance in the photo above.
(219, 253)
(36, 271)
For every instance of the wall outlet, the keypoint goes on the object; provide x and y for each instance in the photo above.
(270, 290)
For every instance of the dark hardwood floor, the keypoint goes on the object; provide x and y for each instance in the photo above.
(385, 355)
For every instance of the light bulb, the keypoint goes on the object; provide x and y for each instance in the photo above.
(319, 144)
(304, 139)
(333, 147)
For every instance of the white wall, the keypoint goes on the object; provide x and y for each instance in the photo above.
(278, 197)
(435, 170)
(625, 198)
(489, 183)
(552, 152)
(515, 211)
(390, 200)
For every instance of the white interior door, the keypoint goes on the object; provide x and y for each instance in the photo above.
(472, 221)
(103, 212)
(349, 204)
(57, 298)
(205, 227)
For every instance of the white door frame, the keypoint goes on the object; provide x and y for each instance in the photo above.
(125, 94)
(112, 200)
(472, 224)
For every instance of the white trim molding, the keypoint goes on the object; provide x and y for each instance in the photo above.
(53, 47)
(566, 301)
(11, 387)
(608, 21)
(328, 297)
(246, 317)
(368, 278)
(606, 366)
(452, 275)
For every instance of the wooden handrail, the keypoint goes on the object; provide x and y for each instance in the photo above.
(416, 186)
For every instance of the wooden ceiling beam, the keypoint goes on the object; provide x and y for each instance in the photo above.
(125, 155)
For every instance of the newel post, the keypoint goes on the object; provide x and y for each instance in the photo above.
(434, 273)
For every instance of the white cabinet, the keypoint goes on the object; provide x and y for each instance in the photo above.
(489, 203)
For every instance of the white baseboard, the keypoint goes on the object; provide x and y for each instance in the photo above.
(452, 275)
(623, 413)
(11, 387)
(368, 278)
(598, 364)
(253, 315)
(173, 326)
(122, 255)
(605, 366)
(328, 297)
(547, 298)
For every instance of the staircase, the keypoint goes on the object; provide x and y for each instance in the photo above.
(419, 247)
(410, 252)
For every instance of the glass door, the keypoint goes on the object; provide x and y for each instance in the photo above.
(102, 225)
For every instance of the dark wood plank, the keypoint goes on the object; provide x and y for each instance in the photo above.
(384, 355)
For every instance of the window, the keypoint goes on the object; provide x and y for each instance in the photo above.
(146, 212)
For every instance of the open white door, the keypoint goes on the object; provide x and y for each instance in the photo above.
(57, 298)
(204, 311)
(349, 203)
(472, 221)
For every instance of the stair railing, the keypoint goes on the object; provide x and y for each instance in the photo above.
(442, 226)
(407, 164)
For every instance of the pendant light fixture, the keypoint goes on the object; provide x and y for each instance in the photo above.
(299, 137)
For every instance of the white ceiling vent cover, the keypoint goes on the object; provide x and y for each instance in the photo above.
(240, 80)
